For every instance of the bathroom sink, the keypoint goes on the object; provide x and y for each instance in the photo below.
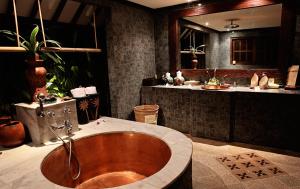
(107, 160)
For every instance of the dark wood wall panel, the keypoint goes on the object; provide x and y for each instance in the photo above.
(287, 34)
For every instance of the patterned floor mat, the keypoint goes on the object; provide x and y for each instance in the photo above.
(249, 166)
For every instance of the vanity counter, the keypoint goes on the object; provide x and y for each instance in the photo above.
(264, 117)
(233, 89)
(20, 166)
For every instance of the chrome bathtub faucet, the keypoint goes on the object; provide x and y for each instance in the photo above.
(67, 125)
(53, 125)
(67, 122)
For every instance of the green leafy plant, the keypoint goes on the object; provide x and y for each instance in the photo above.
(195, 50)
(61, 78)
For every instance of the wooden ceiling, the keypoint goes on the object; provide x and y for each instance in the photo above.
(251, 18)
(156, 4)
(65, 11)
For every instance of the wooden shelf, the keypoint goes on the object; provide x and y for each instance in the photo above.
(51, 49)
(189, 52)
(12, 49)
(67, 49)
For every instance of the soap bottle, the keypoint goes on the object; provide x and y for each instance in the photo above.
(178, 80)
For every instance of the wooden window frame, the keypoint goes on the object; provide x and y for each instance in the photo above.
(253, 50)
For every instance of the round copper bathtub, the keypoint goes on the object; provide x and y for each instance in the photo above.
(107, 160)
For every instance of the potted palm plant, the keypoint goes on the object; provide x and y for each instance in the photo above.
(194, 51)
(35, 72)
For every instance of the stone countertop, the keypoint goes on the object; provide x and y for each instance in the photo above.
(232, 89)
(35, 105)
(20, 167)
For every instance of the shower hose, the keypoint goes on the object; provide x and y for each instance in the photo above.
(70, 155)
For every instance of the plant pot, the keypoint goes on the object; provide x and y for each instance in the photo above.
(93, 108)
(36, 76)
(82, 106)
(194, 63)
(5, 119)
(12, 134)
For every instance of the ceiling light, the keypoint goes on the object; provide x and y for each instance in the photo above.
(199, 4)
(206, 23)
(231, 25)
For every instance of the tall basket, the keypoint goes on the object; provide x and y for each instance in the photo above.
(146, 113)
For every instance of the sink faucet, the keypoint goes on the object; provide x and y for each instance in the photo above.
(41, 97)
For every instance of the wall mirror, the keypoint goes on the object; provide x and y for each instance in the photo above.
(239, 39)
(237, 36)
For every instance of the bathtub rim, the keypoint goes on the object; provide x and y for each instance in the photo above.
(179, 144)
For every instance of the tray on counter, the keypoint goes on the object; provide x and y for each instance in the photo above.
(215, 87)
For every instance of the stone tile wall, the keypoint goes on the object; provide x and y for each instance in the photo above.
(172, 103)
(210, 112)
(161, 44)
(130, 53)
(268, 119)
(200, 113)
(162, 60)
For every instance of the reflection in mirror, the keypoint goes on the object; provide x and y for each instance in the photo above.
(239, 39)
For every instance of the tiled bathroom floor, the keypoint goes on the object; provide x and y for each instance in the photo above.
(267, 168)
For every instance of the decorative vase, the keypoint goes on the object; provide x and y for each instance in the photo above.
(12, 133)
(194, 61)
(82, 106)
(36, 76)
(167, 79)
(94, 105)
(179, 80)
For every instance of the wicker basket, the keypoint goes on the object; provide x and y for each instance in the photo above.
(146, 113)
